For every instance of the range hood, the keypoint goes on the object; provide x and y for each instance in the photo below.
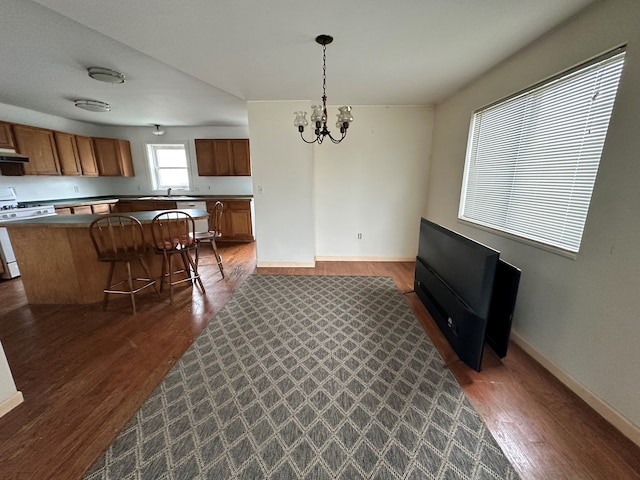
(12, 156)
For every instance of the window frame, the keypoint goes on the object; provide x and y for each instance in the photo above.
(150, 150)
(505, 191)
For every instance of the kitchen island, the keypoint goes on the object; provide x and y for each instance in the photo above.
(58, 262)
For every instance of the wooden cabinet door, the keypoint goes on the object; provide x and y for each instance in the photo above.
(40, 146)
(222, 161)
(235, 224)
(126, 162)
(86, 156)
(113, 157)
(100, 208)
(204, 157)
(240, 223)
(223, 157)
(240, 155)
(123, 206)
(107, 153)
(81, 209)
(67, 153)
(6, 136)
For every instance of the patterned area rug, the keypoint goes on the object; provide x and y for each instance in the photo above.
(308, 377)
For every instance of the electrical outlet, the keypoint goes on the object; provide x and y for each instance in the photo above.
(359, 236)
(76, 189)
(260, 189)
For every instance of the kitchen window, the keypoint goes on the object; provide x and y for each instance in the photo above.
(532, 158)
(169, 166)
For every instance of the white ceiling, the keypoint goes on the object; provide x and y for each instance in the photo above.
(197, 62)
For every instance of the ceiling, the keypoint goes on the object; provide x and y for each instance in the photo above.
(198, 62)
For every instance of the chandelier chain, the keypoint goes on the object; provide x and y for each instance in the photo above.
(324, 70)
(320, 117)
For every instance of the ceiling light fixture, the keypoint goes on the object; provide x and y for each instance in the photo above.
(319, 115)
(93, 105)
(158, 131)
(105, 75)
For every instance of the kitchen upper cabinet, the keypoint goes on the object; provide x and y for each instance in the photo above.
(40, 146)
(67, 153)
(223, 157)
(113, 157)
(87, 156)
(6, 136)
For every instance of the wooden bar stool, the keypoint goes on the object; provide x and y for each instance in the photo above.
(215, 219)
(173, 234)
(120, 239)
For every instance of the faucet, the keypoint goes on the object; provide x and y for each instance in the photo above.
(169, 192)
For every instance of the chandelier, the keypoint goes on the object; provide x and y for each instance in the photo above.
(319, 115)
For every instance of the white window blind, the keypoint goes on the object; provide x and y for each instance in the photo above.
(532, 158)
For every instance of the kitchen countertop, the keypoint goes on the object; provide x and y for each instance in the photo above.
(84, 220)
(68, 202)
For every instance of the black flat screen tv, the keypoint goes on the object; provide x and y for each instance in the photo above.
(469, 291)
(467, 266)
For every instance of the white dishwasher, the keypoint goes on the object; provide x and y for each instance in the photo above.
(201, 225)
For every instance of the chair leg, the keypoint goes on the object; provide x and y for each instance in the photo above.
(214, 247)
(194, 267)
(146, 270)
(130, 282)
(112, 266)
(165, 265)
(170, 278)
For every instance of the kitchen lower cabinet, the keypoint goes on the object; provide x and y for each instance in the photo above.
(144, 205)
(236, 223)
(81, 209)
(101, 208)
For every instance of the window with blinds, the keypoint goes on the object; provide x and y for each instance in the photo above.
(532, 158)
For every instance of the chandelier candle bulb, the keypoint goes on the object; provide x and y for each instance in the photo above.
(319, 115)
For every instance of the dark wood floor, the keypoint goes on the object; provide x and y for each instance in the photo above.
(84, 372)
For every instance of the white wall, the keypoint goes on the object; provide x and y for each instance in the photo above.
(373, 183)
(34, 188)
(579, 317)
(317, 198)
(282, 168)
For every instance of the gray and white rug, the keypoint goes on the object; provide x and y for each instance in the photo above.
(308, 377)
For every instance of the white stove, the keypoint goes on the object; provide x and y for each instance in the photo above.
(10, 211)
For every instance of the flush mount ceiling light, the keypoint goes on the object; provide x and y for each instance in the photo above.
(105, 75)
(158, 131)
(93, 105)
(319, 115)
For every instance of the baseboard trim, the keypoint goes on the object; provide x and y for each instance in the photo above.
(365, 259)
(10, 403)
(628, 429)
(286, 264)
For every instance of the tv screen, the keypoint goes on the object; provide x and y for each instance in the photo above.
(467, 266)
